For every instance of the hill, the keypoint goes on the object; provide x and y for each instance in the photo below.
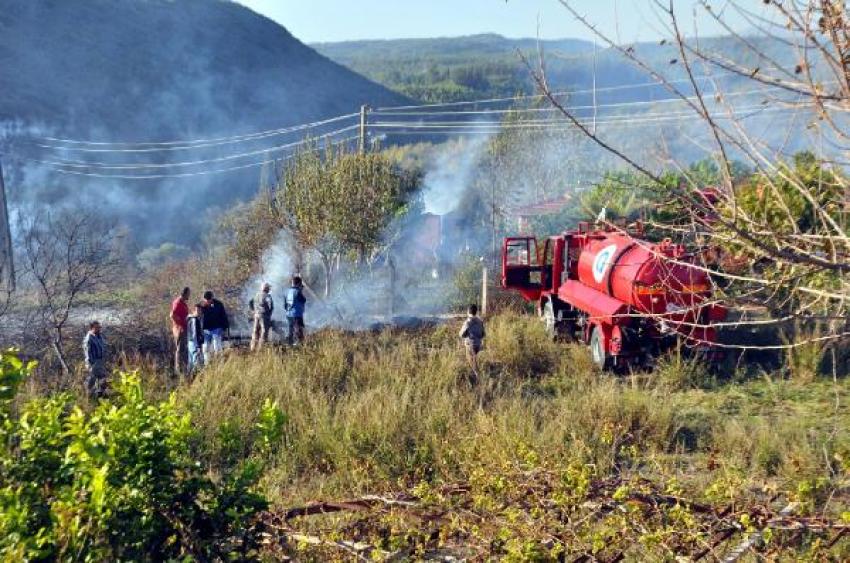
(631, 109)
(452, 69)
(447, 68)
(157, 70)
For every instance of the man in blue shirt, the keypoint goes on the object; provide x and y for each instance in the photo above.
(294, 304)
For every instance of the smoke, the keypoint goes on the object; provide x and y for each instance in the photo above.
(276, 269)
(158, 71)
(448, 175)
(412, 276)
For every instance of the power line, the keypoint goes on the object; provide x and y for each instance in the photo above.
(187, 174)
(559, 123)
(397, 127)
(134, 166)
(580, 107)
(184, 145)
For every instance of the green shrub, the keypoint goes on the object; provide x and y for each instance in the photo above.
(116, 483)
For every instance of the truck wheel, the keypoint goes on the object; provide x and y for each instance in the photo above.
(597, 348)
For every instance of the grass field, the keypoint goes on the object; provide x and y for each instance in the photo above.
(393, 414)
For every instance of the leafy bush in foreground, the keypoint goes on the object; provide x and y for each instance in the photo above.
(116, 483)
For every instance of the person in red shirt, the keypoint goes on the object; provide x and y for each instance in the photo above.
(179, 315)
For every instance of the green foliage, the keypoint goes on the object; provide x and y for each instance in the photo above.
(116, 483)
(466, 282)
(336, 202)
(424, 74)
(778, 200)
(308, 201)
(13, 371)
(797, 208)
(270, 425)
(622, 194)
(706, 172)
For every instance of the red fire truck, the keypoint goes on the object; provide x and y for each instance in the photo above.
(629, 299)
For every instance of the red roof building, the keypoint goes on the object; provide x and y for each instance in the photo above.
(524, 214)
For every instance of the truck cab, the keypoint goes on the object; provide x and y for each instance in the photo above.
(533, 270)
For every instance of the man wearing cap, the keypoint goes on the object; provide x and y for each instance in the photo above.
(294, 305)
(263, 309)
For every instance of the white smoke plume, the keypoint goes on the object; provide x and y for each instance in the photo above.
(393, 285)
(449, 173)
(275, 268)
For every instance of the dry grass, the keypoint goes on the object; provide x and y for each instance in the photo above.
(375, 412)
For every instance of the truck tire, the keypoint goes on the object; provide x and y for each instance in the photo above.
(597, 348)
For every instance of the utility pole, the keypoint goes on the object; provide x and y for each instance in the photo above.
(364, 114)
(7, 264)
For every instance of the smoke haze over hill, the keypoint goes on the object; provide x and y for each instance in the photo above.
(135, 71)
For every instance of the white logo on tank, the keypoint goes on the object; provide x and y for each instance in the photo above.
(600, 263)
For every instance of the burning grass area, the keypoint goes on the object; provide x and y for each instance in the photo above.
(544, 458)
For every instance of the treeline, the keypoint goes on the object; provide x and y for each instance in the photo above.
(486, 66)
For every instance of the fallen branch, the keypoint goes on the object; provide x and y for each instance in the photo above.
(755, 537)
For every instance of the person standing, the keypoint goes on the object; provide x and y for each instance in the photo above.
(195, 338)
(263, 309)
(295, 304)
(216, 324)
(472, 332)
(94, 351)
(179, 314)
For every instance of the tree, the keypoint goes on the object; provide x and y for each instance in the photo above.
(789, 222)
(526, 163)
(67, 255)
(5, 289)
(333, 202)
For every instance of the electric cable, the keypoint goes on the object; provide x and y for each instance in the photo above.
(186, 145)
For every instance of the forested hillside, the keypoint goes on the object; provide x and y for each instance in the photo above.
(129, 70)
(482, 66)
(447, 69)
(155, 71)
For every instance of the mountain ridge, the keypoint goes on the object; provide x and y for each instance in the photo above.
(133, 71)
(467, 68)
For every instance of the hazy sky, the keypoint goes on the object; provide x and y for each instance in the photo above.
(337, 20)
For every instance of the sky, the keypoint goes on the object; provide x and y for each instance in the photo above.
(314, 21)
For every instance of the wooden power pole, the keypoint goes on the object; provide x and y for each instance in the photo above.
(364, 116)
(7, 264)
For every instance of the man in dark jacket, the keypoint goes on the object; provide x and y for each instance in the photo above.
(215, 325)
(94, 351)
(294, 305)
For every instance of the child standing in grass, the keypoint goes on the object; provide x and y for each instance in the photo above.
(195, 340)
(472, 332)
